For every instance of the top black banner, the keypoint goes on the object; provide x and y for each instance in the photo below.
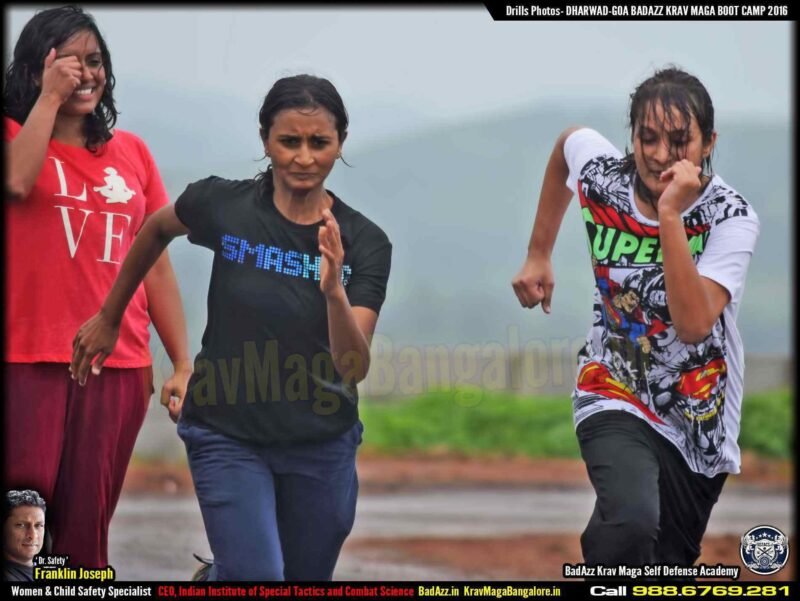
(528, 10)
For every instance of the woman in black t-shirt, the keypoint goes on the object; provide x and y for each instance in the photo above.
(270, 420)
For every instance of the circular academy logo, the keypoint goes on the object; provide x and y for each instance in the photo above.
(764, 550)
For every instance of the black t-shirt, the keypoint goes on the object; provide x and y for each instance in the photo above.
(16, 572)
(265, 374)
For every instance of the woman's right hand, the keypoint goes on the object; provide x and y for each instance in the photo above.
(534, 283)
(95, 338)
(60, 76)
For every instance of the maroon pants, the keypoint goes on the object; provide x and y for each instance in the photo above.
(72, 444)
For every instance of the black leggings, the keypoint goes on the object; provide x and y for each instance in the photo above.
(650, 508)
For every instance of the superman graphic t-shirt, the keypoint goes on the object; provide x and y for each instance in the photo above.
(633, 360)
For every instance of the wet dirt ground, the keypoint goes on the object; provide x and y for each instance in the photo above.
(443, 518)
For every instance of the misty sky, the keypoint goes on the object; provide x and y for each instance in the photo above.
(409, 68)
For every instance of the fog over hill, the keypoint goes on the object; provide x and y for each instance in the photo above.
(458, 203)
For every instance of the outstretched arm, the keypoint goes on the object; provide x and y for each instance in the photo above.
(534, 283)
(96, 338)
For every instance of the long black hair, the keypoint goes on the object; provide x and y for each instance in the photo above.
(49, 29)
(300, 92)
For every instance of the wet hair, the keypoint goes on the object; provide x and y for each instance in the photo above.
(23, 498)
(673, 88)
(50, 29)
(300, 92)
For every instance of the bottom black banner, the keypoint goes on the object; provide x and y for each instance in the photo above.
(396, 590)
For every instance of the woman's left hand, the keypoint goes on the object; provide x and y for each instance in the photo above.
(92, 345)
(683, 187)
(330, 245)
(174, 389)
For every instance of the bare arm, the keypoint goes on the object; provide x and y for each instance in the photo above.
(350, 329)
(96, 338)
(534, 283)
(350, 332)
(166, 312)
(25, 154)
(695, 302)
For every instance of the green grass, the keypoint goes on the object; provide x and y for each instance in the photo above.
(768, 424)
(471, 421)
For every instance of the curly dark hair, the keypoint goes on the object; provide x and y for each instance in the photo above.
(20, 498)
(50, 29)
